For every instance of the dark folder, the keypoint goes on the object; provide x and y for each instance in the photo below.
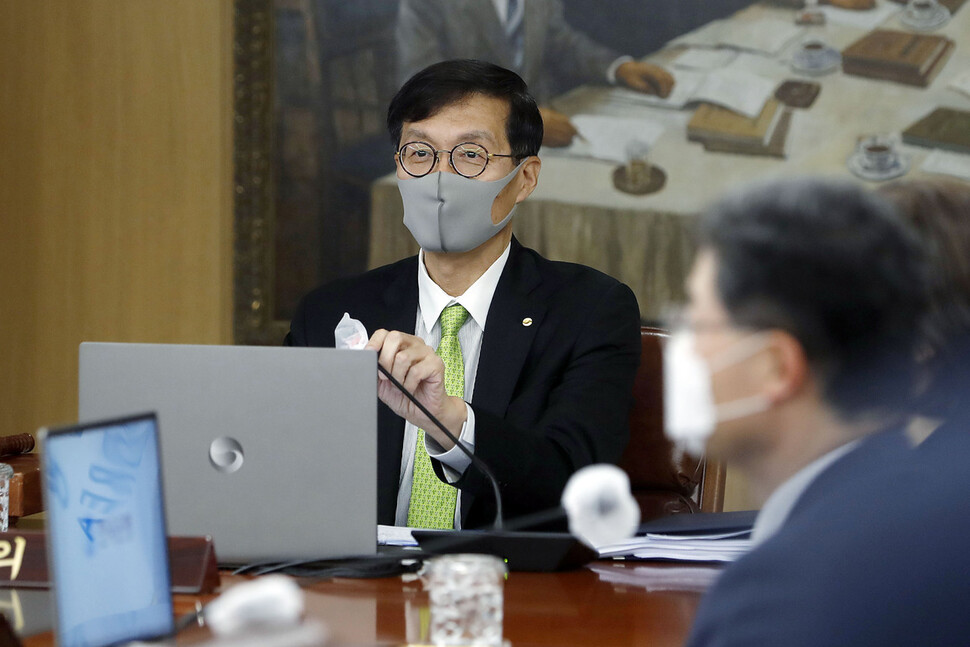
(700, 523)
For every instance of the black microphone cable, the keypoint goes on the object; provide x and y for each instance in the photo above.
(477, 462)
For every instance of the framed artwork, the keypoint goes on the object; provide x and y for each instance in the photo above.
(310, 93)
(315, 198)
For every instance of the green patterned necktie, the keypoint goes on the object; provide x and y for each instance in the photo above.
(432, 503)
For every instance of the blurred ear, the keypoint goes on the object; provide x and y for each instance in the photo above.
(787, 367)
(528, 178)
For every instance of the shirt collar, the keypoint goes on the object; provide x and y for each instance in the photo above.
(779, 505)
(476, 300)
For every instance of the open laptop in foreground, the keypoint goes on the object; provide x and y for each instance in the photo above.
(271, 451)
(106, 532)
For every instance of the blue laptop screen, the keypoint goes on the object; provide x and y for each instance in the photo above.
(106, 533)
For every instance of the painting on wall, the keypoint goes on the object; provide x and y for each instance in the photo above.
(623, 170)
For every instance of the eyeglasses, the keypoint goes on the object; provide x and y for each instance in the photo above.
(468, 159)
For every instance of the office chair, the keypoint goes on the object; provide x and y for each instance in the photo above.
(662, 482)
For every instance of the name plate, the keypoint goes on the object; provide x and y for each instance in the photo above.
(192, 562)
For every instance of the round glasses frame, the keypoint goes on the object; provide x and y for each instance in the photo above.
(399, 156)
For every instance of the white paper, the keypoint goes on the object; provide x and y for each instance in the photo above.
(734, 534)
(609, 138)
(766, 35)
(658, 578)
(961, 83)
(395, 536)
(947, 163)
(735, 89)
(693, 549)
(705, 58)
(865, 19)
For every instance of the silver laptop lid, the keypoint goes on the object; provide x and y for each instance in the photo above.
(271, 451)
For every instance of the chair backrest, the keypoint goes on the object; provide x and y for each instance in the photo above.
(663, 481)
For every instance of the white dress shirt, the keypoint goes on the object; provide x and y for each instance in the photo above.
(779, 505)
(432, 300)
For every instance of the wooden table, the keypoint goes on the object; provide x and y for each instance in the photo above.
(606, 604)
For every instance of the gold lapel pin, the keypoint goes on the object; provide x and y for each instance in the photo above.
(527, 321)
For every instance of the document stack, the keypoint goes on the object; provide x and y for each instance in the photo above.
(715, 547)
(725, 131)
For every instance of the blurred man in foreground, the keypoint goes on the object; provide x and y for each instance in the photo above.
(939, 211)
(806, 300)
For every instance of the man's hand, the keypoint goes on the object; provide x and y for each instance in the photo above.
(414, 364)
(645, 77)
(557, 130)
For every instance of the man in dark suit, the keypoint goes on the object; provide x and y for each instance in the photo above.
(536, 359)
(872, 554)
(805, 302)
(529, 36)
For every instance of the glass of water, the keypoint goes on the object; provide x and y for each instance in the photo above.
(466, 597)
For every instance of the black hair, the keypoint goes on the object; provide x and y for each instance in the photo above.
(834, 266)
(939, 212)
(444, 84)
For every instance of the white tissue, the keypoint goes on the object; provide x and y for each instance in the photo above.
(350, 333)
(599, 505)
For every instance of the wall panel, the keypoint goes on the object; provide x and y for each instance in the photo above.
(115, 187)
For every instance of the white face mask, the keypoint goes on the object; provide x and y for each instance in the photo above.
(446, 212)
(690, 414)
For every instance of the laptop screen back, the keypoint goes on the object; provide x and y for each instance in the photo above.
(270, 451)
(106, 532)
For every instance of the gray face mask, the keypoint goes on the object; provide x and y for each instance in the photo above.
(446, 212)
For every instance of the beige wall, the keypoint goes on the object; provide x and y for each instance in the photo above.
(115, 187)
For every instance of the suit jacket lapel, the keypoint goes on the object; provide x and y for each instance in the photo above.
(508, 337)
(400, 301)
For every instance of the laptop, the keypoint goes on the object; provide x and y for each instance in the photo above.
(271, 451)
(106, 546)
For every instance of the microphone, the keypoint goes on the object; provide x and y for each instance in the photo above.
(598, 503)
(476, 461)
